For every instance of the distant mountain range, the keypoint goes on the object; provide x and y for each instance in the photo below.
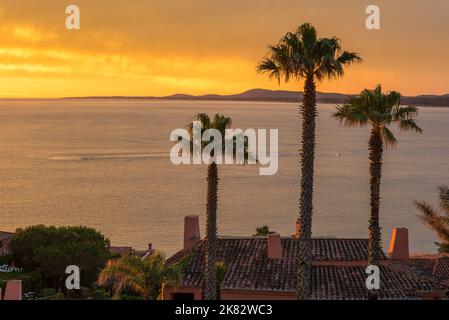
(284, 96)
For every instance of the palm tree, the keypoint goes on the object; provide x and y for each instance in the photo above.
(301, 55)
(263, 231)
(437, 218)
(144, 277)
(377, 110)
(220, 123)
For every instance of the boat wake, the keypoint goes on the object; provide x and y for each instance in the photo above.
(93, 157)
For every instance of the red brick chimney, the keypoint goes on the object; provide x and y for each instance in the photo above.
(191, 231)
(13, 290)
(274, 246)
(298, 228)
(399, 248)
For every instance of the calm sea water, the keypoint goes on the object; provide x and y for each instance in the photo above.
(105, 164)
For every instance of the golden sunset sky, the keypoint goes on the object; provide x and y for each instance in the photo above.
(149, 47)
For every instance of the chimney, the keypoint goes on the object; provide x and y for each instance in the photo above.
(274, 247)
(13, 290)
(191, 231)
(298, 228)
(399, 249)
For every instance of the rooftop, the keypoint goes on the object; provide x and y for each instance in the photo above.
(5, 238)
(437, 264)
(336, 273)
(5, 235)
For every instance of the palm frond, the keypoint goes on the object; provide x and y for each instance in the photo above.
(222, 123)
(308, 35)
(301, 54)
(270, 67)
(388, 138)
(379, 109)
(409, 125)
(350, 116)
(143, 277)
(433, 219)
(349, 58)
(404, 113)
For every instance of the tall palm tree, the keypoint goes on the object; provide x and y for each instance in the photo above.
(379, 111)
(301, 55)
(220, 123)
(144, 277)
(437, 218)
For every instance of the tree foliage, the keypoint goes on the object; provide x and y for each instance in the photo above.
(379, 110)
(301, 55)
(142, 277)
(437, 218)
(49, 250)
(263, 231)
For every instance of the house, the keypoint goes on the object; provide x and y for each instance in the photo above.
(5, 238)
(264, 268)
(123, 251)
(437, 264)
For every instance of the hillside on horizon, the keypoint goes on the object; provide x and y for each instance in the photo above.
(280, 96)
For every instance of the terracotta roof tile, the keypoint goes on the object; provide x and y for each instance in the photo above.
(5, 238)
(348, 283)
(249, 269)
(441, 268)
(437, 264)
(5, 235)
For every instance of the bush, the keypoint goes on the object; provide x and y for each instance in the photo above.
(31, 281)
(49, 250)
(49, 292)
(100, 294)
(5, 260)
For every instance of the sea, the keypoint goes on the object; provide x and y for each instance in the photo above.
(105, 164)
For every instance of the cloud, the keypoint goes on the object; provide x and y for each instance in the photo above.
(28, 33)
(202, 46)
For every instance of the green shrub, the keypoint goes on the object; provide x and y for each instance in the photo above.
(100, 294)
(49, 292)
(5, 260)
(31, 281)
(49, 250)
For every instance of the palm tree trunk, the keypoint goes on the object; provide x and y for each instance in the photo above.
(375, 156)
(210, 286)
(309, 113)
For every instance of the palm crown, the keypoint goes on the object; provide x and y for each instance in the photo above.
(437, 219)
(222, 123)
(218, 122)
(302, 54)
(145, 277)
(380, 110)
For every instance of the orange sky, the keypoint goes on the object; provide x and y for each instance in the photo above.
(149, 47)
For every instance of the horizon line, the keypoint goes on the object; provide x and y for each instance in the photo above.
(172, 96)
